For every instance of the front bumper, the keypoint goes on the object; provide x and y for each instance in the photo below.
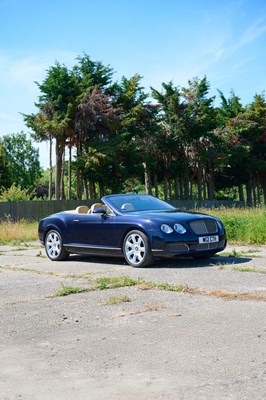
(189, 248)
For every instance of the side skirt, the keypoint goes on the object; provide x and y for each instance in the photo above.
(94, 250)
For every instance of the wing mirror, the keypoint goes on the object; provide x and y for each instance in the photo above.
(99, 211)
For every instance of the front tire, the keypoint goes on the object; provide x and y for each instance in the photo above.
(54, 246)
(136, 249)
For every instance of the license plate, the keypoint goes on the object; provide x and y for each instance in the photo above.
(209, 239)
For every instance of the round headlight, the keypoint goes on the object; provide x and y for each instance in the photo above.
(179, 228)
(166, 228)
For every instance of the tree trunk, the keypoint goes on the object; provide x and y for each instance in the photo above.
(249, 192)
(58, 169)
(50, 167)
(155, 179)
(165, 186)
(176, 189)
(86, 188)
(258, 194)
(264, 192)
(211, 186)
(241, 193)
(62, 185)
(101, 188)
(78, 171)
(147, 177)
(254, 196)
(70, 173)
(92, 190)
(199, 183)
(204, 183)
(186, 186)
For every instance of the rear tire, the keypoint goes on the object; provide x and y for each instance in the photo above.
(54, 246)
(136, 249)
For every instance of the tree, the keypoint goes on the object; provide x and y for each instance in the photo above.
(188, 121)
(170, 143)
(92, 79)
(23, 160)
(246, 149)
(5, 175)
(95, 118)
(137, 128)
(62, 94)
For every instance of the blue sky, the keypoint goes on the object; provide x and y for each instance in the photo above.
(162, 40)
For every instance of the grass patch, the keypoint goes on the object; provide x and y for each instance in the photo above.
(15, 233)
(164, 286)
(115, 282)
(112, 300)
(67, 290)
(249, 269)
(234, 253)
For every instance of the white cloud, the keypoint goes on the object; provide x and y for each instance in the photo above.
(253, 32)
(25, 71)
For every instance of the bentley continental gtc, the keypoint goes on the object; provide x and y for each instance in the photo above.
(140, 228)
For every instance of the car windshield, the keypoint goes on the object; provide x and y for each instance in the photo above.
(138, 203)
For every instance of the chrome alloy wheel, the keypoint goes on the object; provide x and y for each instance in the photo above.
(54, 247)
(136, 249)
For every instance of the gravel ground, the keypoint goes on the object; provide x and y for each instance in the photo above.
(208, 342)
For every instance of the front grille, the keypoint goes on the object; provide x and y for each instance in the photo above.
(178, 248)
(203, 246)
(203, 226)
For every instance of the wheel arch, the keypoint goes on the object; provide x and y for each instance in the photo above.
(54, 227)
(134, 228)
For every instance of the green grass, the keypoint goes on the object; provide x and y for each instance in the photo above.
(112, 300)
(67, 290)
(247, 226)
(116, 282)
(249, 269)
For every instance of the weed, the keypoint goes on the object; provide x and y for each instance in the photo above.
(252, 251)
(163, 286)
(249, 269)
(115, 282)
(67, 290)
(117, 300)
(234, 253)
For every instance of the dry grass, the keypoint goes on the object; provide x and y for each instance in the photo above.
(18, 232)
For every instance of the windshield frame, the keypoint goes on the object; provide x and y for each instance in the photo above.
(136, 203)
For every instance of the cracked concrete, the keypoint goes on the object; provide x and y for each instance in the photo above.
(158, 345)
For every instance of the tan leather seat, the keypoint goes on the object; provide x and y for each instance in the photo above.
(95, 206)
(82, 209)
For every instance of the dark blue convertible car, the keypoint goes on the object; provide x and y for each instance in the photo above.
(140, 228)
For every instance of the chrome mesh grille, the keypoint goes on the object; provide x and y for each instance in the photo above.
(204, 226)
